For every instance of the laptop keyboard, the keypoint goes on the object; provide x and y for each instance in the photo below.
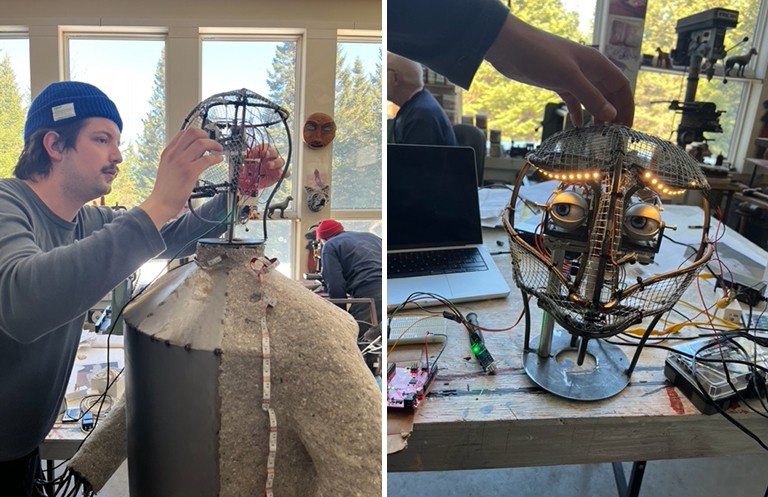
(424, 263)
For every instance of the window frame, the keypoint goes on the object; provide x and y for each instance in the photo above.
(754, 84)
(294, 212)
(365, 36)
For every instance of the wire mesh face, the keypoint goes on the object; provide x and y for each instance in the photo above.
(248, 126)
(605, 214)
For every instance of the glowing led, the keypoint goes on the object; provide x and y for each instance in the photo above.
(647, 174)
(654, 181)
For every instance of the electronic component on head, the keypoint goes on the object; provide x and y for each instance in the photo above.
(568, 210)
(642, 222)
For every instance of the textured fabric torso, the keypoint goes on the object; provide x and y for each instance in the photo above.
(422, 121)
(51, 273)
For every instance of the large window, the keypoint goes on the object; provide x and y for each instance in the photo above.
(518, 110)
(14, 99)
(268, 67)
(132, 74)
(656, 88)
(357, 147)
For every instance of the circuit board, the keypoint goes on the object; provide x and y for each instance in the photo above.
(407, 386)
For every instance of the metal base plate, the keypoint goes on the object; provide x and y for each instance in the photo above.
(602, 375)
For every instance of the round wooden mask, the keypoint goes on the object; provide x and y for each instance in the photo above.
(319, 130)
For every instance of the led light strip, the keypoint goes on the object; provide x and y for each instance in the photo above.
(266, 397)
(263, 265)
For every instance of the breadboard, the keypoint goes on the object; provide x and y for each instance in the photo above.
(408, 330)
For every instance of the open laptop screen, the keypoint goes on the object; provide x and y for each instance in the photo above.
(431, 197)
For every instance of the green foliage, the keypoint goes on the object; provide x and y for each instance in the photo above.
(357, 148)
(140, 160)
(281, 81)
(12, 116)
(516, 108)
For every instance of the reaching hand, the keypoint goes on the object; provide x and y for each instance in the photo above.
(263, 167)
(189, 154)
(579, 74)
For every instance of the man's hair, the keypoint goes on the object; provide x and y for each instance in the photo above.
(410, 71)
(34, 159)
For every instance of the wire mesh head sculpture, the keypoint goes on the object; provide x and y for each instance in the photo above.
(250, 128)
(605, 214)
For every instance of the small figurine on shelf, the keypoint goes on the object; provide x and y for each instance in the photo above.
(741, 60)
(699, 150)
(662, 59)
(279, 206)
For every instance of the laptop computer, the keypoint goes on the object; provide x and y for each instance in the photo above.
(433, 223)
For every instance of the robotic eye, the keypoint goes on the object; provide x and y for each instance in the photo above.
(568, 210)
(642, 222)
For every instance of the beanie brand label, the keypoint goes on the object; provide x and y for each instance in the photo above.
(63, 111)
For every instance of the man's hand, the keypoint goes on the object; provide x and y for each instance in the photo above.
(579, 74)
(263, 167)
(184, 159)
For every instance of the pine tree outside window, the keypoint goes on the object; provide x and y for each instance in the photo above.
(357, 150)
(132, 73)
(14, 98)
(266, 66)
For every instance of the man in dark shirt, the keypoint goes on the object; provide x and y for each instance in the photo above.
(420, 119)
(351, 265)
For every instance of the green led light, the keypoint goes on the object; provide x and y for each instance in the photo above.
(475, 348)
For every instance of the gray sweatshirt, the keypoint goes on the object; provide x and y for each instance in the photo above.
(52, 272)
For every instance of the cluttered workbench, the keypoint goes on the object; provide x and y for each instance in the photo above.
(472, 420)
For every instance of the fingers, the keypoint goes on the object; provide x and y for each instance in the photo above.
(605, 104)
(192, 148)
(574, 109)
(196, 141)
(582, 90)
(581, 75)
(624, 103)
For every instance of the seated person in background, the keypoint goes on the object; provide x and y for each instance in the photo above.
(420, 119)
(351, 265)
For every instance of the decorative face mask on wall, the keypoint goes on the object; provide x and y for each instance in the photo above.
(319, 130)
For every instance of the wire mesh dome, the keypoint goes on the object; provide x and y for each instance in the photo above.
(605, 214)
(662, 165)
(249, 127)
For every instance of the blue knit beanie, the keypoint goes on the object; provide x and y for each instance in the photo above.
(66, 102)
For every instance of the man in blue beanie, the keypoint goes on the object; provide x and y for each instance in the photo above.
(60, 256)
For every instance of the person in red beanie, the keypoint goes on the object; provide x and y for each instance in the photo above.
(351, 266)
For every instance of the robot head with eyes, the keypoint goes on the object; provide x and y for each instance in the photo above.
(606, 213)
